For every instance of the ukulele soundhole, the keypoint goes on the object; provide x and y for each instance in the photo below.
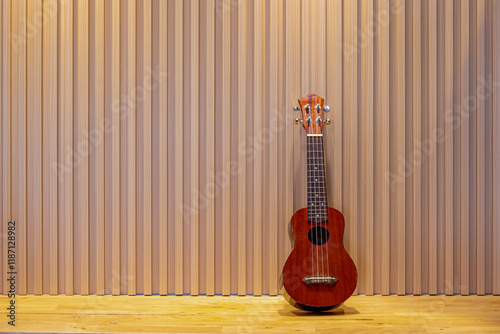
(318, 235)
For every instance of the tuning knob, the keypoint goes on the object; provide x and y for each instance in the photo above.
(326, 108)
(298, 121)
(327, 121)
(297, 108)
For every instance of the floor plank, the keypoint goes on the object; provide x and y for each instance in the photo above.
(182, 314)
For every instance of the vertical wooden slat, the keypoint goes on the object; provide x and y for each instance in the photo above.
(226, 149)
(398, 99)
(163, 148)
(147, 148)
(317, 28)
(433, 119)
(18, 61)
(368, 143)
(34, 151)
(496, 147)
(4, 228)
(115, 149)
(97, 114)
(242, 133)
(210, 142)
(464, 147)
(131, 149)
(257, 191)
(383, 141)
(81, 130)
(334, 98)
(480, 149)
(66, 141)
(304, 64)
(195, 149)
(5, 114)
(305, 42)
(299, 154)
(417, 139)
(179, 146)
(292, 61)
(351, 106)
(273, 149)
(449, 189)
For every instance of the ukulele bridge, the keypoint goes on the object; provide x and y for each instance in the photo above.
(313, 280)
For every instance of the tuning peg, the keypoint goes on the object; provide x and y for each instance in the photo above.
(297, 108)
(327, 121)
(318, 107)
(298, 121)
(326, 108)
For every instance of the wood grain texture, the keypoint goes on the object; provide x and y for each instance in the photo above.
(242, 133)
(480, 119)
(81, 146)
(334, 100)
(164, 167)
(144, 148)
(496, 149)
(298, 263)
(432, 160)
(383, 140)
(416, 155)
(464, 148)
(114, 155)
(351, 210)
(97, 147)
(57, 313)
(34, 152)
(179, 121)
(6, 126)
(210, 146)
(257, 167)
(292, 90)
(368, 139)
(398, 105)
(90, 139)
(448, 149)
(273, 149)
(195, 146)
(131, 199)
(65, 133)
(226, 148)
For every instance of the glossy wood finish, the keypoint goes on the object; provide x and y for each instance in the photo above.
(219, 314)
(304, 254)
(310, 113)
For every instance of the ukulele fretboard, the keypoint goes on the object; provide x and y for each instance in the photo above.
(317, 204)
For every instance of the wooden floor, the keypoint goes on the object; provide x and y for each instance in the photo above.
(186, 314)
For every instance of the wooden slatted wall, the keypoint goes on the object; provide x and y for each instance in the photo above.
(148, 146)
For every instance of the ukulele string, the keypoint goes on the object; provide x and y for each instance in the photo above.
(325, 201)
(315, 194)
(310, 200)
(316, 201)
(321, 188)
(318, 211)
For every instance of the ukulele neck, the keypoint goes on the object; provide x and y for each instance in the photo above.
(317, 204)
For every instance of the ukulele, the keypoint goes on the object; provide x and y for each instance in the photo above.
(318, 274)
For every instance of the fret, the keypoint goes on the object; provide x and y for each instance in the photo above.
(317, 204)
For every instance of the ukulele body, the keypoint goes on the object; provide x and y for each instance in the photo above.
(318, 274)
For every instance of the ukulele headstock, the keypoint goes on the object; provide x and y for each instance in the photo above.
(313, 110)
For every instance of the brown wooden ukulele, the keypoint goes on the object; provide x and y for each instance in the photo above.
(319, 274)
